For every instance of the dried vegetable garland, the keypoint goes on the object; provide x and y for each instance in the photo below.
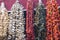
(40, 21)
(4, 22)
(29, 21)
(52, 20)
(48, 18)
(55, 18)
(17, 22)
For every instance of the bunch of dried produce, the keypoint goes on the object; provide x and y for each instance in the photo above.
(52, 20)
(29, 21)
(17, 22)
(4, 22)
(39, 21)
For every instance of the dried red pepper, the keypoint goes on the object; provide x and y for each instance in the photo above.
(52, 20)
(29, 21)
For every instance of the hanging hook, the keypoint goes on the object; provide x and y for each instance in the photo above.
(51, 1)
(17, 1)
(2, 5)
(40, 2)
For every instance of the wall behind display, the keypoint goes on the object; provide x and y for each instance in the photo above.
(9, 3)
